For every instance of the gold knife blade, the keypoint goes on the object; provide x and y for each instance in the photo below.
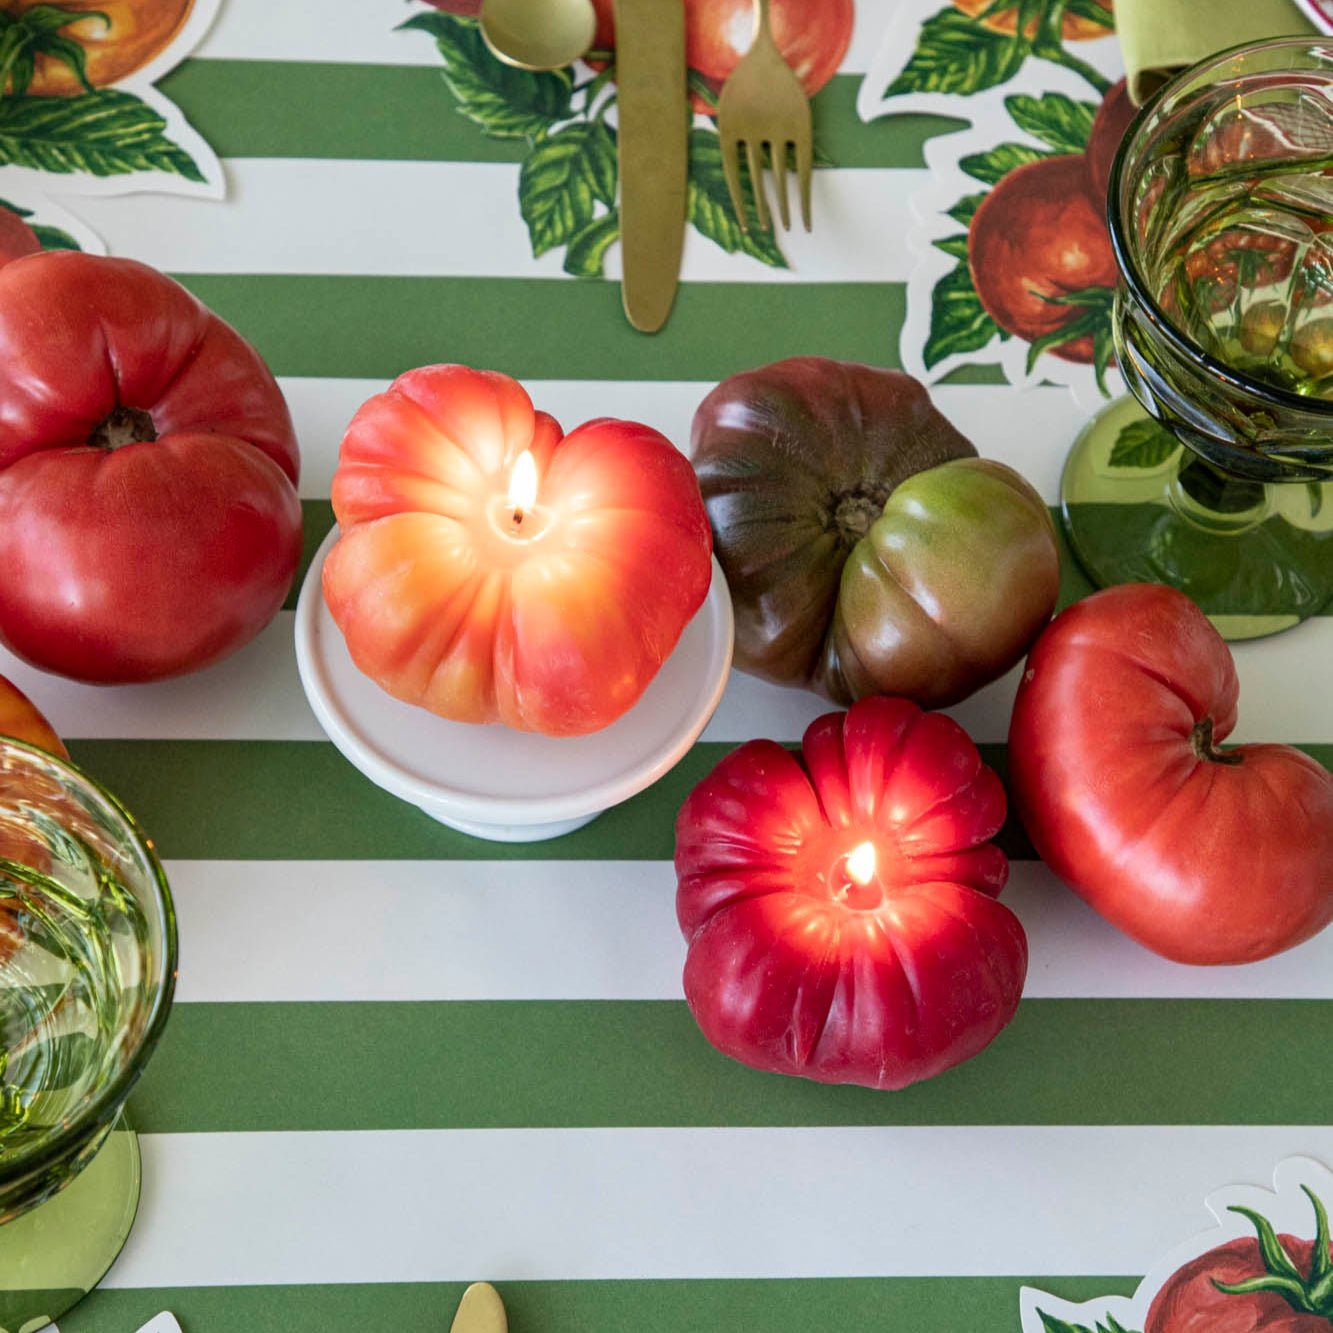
(480, 1311)
(653, 128)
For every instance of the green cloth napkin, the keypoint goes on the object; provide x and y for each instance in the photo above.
(1159, 37)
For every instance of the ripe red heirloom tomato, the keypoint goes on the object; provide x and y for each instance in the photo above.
(557, 626)
(797, 968)
(1202, 855)
(149, 519)
(1285, 1285)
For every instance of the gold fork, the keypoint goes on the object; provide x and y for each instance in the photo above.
(763, 103)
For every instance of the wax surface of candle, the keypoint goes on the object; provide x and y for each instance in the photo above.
(544, 597)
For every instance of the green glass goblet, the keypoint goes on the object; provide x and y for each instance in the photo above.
(1217, 477)
(87, 972)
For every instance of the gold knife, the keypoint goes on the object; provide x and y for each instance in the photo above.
(480, 1311)
(653, 126)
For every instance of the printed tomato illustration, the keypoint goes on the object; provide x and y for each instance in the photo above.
(812, 35)
(117, 37)
(1108, 129)
(1040, 257)
(1073, 27)
(1265, 1283)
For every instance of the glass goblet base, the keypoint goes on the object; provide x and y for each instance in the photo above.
(52, 1256)
(1140, 508)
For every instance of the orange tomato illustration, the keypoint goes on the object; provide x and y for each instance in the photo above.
(134, 32)
(1073, 28)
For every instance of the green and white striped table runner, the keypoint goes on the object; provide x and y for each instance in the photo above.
(402, 1060)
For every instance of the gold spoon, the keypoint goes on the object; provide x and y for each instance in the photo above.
(538, 34)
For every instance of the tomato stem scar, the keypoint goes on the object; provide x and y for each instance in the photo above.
(1201, 742)
(125, 425)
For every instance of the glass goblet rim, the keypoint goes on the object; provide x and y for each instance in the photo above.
(105, 1103)
(1122, 242)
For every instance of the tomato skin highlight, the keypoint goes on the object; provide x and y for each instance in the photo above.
(790, 969)
(138, 558)
(1202, 856)
(1037, 237)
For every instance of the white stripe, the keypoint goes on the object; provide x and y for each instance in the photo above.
(365, 34)
(495, 930)
(256, 695)
(1031, 433)
(461, 219)
(590, 1204)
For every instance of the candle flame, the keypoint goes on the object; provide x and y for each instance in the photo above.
(523, 484)
(861, 863)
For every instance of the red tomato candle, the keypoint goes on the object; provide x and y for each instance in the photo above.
(840, 911)
(491, 569)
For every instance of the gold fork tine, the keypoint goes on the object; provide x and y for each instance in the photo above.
(731, 168)
(763, 103)
(754, 156)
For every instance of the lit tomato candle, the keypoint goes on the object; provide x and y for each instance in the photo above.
(491, 569)
(840, 912)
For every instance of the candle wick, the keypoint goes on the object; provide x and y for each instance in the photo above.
(518, 517)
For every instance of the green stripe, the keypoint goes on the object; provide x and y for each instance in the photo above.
(221, 800)
(564, 1064)
(534, 328)
(922, 1304)
(405, 113)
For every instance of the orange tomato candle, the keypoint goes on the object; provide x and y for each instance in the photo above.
(492, 569)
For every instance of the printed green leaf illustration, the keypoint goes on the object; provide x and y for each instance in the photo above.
(51, 238)
(959, 54)
(561, 181)
(104, 133)
(1053, 1325)
(963, 210)
(999, 161)
(1058, 121)
(956, 54)
(1143, 444)
(506, 102)
(567, 180)
(958, 321)
(36, 32)
(708, 205)
(953, 245)
(587, 248)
